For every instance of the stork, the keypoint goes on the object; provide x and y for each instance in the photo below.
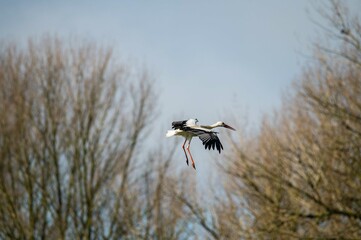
(189, 129)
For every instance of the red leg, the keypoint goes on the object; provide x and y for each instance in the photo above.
(185, 151)
(193, 164)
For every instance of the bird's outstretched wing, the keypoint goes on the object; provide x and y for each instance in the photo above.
(211, 140)
(208, 138)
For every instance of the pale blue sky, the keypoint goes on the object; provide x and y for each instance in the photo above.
(209, 58)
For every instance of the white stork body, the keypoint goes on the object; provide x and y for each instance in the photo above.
(189, 129)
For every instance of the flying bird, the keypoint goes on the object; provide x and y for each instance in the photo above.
(189, 129)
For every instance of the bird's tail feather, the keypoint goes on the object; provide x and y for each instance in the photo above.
(170, 133)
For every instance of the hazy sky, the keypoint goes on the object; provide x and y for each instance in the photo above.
(210, 58)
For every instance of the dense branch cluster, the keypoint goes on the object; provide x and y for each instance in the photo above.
(72, 120)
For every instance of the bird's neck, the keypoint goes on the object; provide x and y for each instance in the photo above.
(210, 126)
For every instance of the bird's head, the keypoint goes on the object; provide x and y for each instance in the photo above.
(222, 124)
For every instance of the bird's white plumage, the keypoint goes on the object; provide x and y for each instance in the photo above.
(192, 122)
(170, 133)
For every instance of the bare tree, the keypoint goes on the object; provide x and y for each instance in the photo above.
(300, 175)
(71, 119)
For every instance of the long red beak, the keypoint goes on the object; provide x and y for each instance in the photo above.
(229, 127)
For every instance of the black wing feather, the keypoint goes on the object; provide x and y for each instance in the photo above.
(179, 124)
(210, 140)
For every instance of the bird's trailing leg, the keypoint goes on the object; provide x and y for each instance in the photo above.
(185, 151)
(188, 146)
